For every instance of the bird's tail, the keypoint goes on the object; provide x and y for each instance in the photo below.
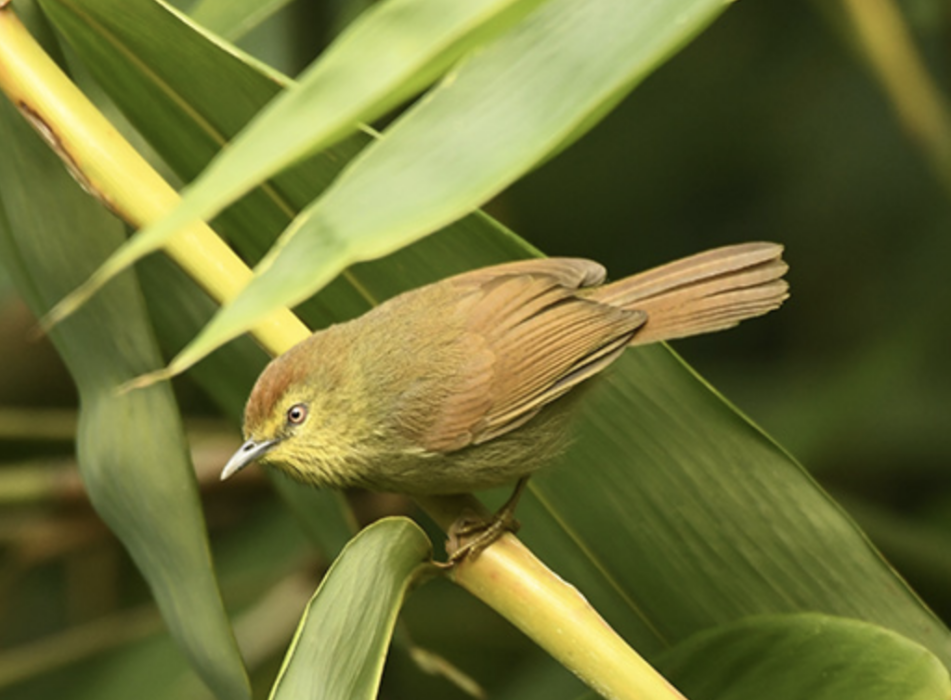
(706, 292)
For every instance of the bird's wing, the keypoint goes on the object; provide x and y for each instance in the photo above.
(529, 339)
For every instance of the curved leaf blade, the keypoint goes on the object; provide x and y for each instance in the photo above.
(676, 504)
(131, 449)
(501, 113)
(793, 657)
(340, 646)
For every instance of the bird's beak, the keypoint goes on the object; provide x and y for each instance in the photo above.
(247, 453)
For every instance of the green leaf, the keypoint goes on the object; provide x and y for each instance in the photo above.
(131, 449)
(675, 513)
(391, 52)
(804, 657)
(502, 112)
(340, 646)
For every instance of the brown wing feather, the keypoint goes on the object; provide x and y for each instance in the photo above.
(529, 339)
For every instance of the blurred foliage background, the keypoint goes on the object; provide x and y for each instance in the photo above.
(771, 125)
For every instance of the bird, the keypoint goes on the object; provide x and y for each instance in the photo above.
(466, 384)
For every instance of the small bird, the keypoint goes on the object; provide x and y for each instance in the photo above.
(461, 385)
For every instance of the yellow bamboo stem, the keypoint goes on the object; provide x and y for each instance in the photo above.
(110, 169)
(511, 580)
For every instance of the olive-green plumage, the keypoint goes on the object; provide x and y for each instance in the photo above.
(454, 387)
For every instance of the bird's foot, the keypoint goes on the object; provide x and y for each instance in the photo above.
(471, 533)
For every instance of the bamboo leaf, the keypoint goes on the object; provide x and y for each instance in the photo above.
(391, 52)
(807, 656)
(131, 450)
(666, 486)
(341, 644)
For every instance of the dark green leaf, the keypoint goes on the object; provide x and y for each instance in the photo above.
(804, 657)
(131, 449)
(687, 516)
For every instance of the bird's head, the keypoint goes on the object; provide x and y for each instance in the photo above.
(308, 415)
(277, 417)
(293, 419)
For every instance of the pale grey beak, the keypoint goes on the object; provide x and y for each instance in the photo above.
(247, 453)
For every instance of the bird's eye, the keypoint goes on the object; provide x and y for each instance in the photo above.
(297, 413)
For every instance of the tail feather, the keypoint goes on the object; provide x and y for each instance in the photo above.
(707, 292)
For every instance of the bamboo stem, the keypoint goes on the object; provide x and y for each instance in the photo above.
(511, 580)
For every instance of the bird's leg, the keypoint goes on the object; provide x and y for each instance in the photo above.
(484, 530)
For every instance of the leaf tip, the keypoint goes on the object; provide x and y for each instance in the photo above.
(62, 310)
(72, 302)
(145, 380)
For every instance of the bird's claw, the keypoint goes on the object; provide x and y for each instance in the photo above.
(472, 533)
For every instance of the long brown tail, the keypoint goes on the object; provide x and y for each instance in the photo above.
(706, 292)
